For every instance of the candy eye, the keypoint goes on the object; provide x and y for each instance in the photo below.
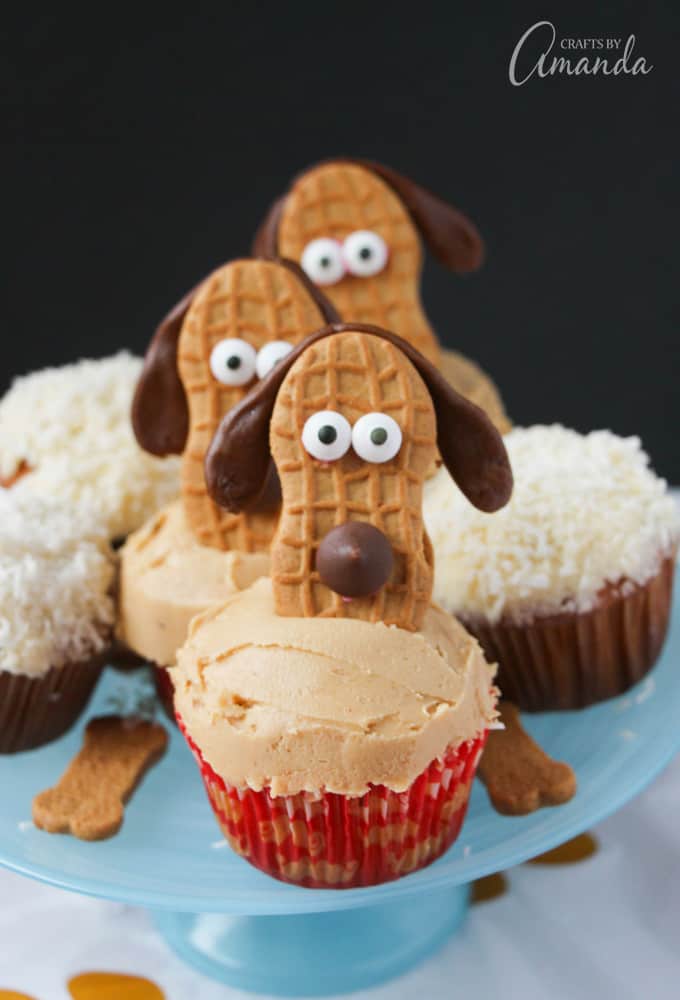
(365, 253)
(233, 361)
(376, 437)
(322, 261)
(270, 355)
(327, 435)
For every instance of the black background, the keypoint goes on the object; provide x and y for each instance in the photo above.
(141, 151)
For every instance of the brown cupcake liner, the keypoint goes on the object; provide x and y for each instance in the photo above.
(571, 660)
(37, 710)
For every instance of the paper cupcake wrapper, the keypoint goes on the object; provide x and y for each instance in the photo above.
(339, 842)
(36, 710)
(572, 660)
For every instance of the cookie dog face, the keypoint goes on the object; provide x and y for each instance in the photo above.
(354, 228)
(354, 417)
(210, 351)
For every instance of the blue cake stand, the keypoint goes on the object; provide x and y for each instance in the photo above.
(237, 925)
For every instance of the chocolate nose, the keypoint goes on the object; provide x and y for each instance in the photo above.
(354, 559)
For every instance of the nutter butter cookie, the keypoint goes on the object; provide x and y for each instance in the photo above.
(355, 227)
(204, 357)
(337, 716)
(354, 417)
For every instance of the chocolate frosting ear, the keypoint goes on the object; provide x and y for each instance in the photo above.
(160, 412)
(451, 236)
(237, 462)
(470, 445)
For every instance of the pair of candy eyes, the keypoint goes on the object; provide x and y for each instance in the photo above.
(375, 437)
(236, 362)
(326, 261)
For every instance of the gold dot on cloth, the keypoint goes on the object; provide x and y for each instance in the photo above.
(571, 853)
(490, 887)
(112, 986)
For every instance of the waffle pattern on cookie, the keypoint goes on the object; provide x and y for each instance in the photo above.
(353, 373)
(256, 301)
(336, 199)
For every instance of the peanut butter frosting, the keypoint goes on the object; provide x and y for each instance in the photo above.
(326, 705)
(167, 577)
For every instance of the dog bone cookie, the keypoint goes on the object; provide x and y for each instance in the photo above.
(354, 226)
(206, 354)
(354, 416)
(519, 776)
(88, 800)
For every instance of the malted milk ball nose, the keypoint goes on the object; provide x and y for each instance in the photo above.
(354, 559)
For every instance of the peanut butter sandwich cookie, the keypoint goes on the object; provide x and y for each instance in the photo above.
(355, 226)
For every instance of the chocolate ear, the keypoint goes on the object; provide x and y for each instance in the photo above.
(160, 413)
(451, 236)
(266, 239)
(470, 446)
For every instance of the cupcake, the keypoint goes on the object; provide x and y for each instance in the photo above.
(569, 588)
(56, 617)
(335, 753)
(338, 717)
(65, 434)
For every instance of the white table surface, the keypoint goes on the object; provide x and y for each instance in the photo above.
(606, 927)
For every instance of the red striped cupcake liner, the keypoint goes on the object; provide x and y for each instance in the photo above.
(331, 841)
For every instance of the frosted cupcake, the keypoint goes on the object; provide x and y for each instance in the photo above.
(334, 753)
(56, 618)
(336, 715)
(569, 588)
(65, 434)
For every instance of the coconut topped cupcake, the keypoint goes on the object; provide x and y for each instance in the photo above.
(56, 576)
(65, 433)
(586, 510)
(56, 615)
(569, 587)
(327, 705)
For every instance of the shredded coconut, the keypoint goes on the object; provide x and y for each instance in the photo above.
(586, 510)
(56, 577)
(71, 426)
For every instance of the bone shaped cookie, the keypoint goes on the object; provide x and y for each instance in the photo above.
(206, 354)
(89, 799)
(354, 226)
(519, 776)
(354, 416)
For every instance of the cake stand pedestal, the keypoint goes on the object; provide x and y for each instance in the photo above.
(233, 923)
